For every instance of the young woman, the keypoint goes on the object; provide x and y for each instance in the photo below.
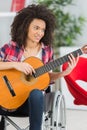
(32, 35)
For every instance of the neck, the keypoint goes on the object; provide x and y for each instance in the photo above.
(32, 45)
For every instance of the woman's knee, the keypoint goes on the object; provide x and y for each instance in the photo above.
(36, 95)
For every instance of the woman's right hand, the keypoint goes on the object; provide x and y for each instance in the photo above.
(24, 67)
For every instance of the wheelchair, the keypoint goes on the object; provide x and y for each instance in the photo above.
(54, 116)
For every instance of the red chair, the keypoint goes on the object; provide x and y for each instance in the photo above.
(79, 73)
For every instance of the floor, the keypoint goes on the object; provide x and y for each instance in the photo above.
(75, 119)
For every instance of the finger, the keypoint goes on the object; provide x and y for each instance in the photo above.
(71, 59)
(30, 70)
(77, 58)
(33, 70)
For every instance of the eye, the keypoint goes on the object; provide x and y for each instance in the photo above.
(36, 27)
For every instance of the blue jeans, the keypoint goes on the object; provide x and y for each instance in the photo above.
(33, 108)
(36, 106)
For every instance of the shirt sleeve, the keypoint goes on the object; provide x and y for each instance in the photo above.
(3, 51)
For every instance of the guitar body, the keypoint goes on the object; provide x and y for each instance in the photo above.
(21, 86)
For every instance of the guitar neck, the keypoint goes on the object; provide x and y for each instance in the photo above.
(54, 64)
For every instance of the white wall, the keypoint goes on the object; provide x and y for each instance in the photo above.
(80, 9)
(5, 5)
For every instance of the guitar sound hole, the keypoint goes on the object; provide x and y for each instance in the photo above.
(28, 78)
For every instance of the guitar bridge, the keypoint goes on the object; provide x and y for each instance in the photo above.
(7, 82)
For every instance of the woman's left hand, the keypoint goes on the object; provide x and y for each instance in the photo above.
(71, 64)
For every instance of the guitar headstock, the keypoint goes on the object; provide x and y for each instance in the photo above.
(84, 49)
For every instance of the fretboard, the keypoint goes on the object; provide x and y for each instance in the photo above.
(54, 64)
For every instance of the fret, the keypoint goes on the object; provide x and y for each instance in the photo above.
(66, 58)
(57, 62)
(43, 69)
(75, 54)
(38, 71)
(47, 67)
(53, 64)
(60, 60)
(63, 59)
(79, 51)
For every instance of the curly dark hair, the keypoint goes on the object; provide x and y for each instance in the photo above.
(24, 17)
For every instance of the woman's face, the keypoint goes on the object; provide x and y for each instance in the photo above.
(36, 30)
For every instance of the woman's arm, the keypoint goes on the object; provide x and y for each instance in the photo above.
(20, 66)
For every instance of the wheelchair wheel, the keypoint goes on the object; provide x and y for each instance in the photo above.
(58, 119)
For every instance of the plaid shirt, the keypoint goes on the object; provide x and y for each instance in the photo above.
(11, 52)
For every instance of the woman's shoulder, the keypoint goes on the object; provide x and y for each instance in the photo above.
(12, 44)
(9, 44)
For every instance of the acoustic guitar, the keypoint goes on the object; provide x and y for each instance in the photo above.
(15, 86)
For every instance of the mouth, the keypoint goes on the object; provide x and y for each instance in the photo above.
(38, 38)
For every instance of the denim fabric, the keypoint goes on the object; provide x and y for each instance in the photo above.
(36, 106)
